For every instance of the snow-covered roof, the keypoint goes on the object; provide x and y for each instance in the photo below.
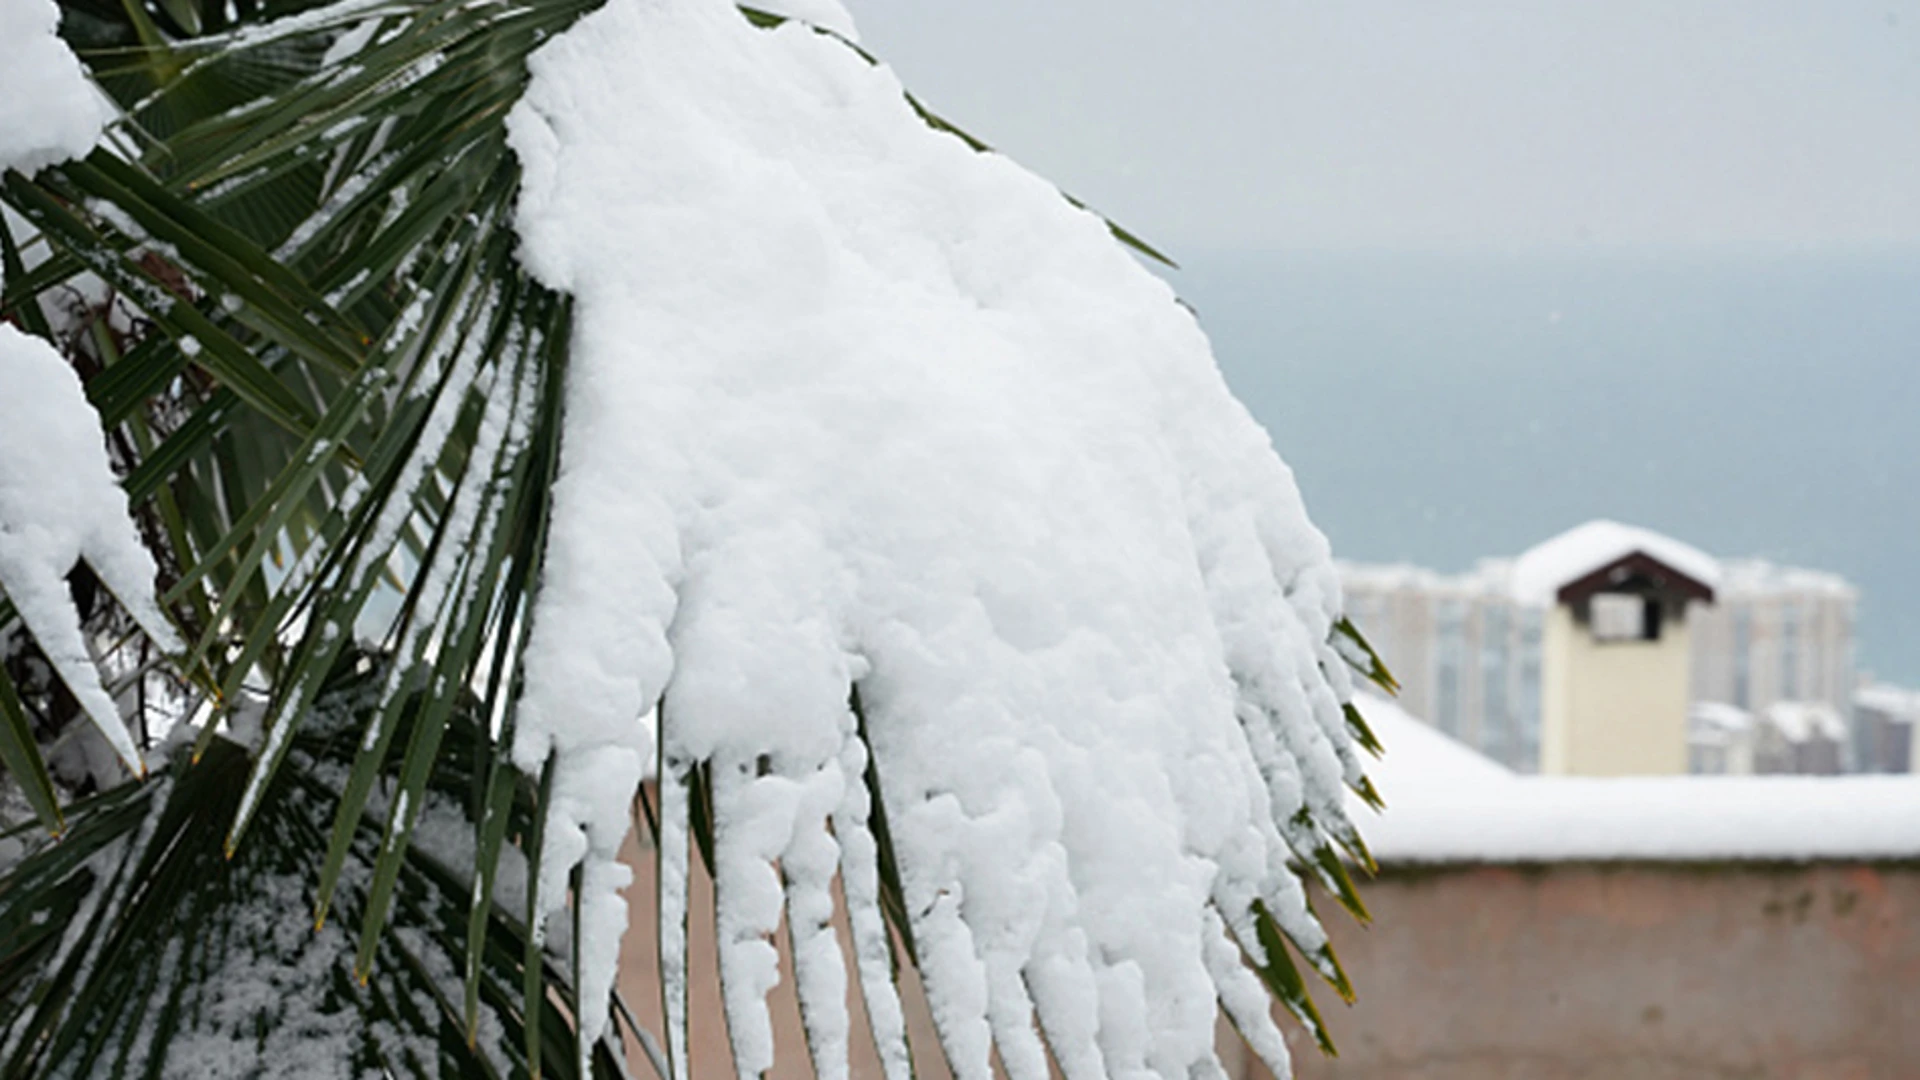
(1799, 721)
(1719, 716)
(1542, 570)
(1448, 804)
(1899, 703)
(1420, 755)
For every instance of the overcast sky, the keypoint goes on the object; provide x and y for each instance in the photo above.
(1436, 125)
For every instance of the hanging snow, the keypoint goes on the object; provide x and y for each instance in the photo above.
(60, 503)
(851, 405)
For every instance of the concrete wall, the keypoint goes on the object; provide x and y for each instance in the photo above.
(1663, 972)
(1613, 708)
(1669, 972)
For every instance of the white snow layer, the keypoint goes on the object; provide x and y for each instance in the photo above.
(59, 503)
(850, 402)
(825, 14)
(1664, 818)
(1540, 571)
(1419, 755)
(48, 110)
(1448, 804)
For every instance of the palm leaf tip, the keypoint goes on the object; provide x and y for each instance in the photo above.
(1360, 655)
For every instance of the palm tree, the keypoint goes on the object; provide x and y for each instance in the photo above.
(288, 278)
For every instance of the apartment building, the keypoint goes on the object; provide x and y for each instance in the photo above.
(1468, 649)
(1777, 633)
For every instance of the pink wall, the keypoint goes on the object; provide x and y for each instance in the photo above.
(1641, 972)
(1581, 972)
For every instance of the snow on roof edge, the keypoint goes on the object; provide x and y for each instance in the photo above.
(1418, 754)
(1446, 804)
(1900, 703)
(1652, 819)
(1541, 570)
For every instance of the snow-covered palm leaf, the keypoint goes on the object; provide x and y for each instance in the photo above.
(135, 947)
(345, 373)
(916, 436)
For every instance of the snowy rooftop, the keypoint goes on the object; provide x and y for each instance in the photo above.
(1719, 715)
(1540, 571)
(1799, 721)
(1898, 702)
(1419, 755)
(1447, 804)
(1795, 721)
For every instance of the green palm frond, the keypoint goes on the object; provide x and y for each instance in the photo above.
(344, 383)
(135, 940)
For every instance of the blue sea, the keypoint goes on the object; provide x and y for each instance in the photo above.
(1438, 409)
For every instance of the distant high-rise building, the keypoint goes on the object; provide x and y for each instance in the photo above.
(1776, 633)
(1468, 650)
(1785, 737)
(1467, 653)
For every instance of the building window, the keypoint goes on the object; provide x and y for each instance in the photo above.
(1789, 652)
(1452, 645)
(1529, 699)
(1496, 733)
(1742, 656)
(1624, 617)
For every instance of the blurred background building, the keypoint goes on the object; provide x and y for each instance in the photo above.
(1772, 683)
(1884, 718)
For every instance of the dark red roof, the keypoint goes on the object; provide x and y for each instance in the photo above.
(1631, 565)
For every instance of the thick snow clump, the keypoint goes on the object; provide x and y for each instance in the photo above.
(852, 405)
(48, 110)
